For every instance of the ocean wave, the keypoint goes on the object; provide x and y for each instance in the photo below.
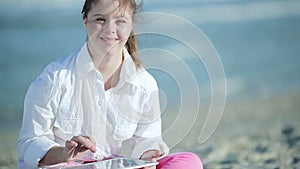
(231, 11)
(25, 4)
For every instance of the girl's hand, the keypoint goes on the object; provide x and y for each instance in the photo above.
(73, 148)
(151, 155)
(78, 145)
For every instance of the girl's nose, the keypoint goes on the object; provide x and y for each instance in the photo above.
(110, 28)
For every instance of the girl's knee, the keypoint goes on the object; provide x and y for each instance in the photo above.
(191, 156)
(194, 160)
(190, 159)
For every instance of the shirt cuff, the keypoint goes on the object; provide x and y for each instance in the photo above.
(142, 145)
(37, 150)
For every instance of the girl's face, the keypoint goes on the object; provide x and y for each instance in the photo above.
(108, 26)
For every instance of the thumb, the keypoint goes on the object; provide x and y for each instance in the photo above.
(156, 155)
(70, 145)
(151, 155)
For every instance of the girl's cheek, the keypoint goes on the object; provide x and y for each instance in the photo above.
(94, 29)
(125, 33)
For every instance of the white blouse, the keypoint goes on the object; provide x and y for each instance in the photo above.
(68, 99)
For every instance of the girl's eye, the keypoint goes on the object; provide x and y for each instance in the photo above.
(120, 21)
(101, 20)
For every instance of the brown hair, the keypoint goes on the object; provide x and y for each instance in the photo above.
(131, 44)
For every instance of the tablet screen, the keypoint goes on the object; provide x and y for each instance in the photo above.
(117, 163)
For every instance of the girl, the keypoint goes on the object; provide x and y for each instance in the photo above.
(84, 106)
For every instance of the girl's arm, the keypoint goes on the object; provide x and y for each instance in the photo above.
(148, 133)
(73, 148)
(36, 135)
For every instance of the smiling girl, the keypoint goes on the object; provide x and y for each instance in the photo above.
(86, 105)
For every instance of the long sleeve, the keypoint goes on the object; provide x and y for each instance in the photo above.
(36, 136)
(148, 133)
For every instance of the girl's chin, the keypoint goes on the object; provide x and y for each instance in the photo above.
(108, 48)
(111, 49)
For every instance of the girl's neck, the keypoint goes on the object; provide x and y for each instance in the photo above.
(113, 80)
(107, 63)
(109, 68)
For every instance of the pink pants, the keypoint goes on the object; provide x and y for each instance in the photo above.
(183, 160)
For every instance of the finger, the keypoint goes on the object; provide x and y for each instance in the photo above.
(151, 167)
(70, 144)
(84, 142)
(157, 154)
(151, 155)
(92, 143)
(93, 148)
(80, 149)
(70, 149)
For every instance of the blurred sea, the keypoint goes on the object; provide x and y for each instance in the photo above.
(258, 43)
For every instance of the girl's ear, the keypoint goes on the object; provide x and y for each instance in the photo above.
(84, 19)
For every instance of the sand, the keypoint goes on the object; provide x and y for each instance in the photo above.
(8, 154)
(254, 133)
(262, 132)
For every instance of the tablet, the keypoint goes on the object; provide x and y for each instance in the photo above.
(116, 163)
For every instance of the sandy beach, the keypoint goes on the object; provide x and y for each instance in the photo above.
(258, 46)
(8, 154)
(254, 133)
(261, 132)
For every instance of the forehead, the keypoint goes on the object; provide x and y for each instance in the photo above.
(111, 7)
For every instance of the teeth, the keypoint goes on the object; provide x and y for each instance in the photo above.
(108, 40)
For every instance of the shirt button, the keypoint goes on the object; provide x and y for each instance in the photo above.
(68, 127)
(101, 102)
(98, 156)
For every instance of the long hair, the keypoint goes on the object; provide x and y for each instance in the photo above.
(131, 44)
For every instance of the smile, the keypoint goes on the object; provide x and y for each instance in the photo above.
(109, 40)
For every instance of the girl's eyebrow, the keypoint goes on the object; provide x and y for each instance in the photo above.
(117, 16)
(121, 16)
(98, 14)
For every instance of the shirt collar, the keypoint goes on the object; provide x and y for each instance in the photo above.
(84, 64)
(128, 68)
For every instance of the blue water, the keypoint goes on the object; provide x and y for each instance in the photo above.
(260, 56)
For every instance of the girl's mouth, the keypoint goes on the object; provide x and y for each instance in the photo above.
(109, 40)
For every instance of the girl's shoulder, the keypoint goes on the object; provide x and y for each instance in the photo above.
(64, 63)
(58, 70)
(145, 80)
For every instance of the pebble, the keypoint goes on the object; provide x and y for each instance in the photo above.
(296, 160)
(268, 161)
(230, 159)
(261, 149)
(291, 138)
(287, 131)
